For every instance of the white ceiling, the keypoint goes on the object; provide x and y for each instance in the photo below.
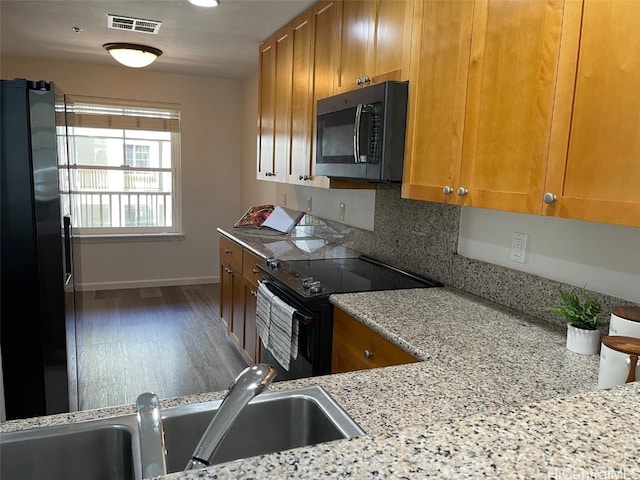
(221, 41)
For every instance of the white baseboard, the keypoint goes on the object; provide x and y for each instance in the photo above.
(157, 282)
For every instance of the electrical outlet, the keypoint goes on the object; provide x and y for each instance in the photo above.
(308, 204)
(341, 211)
(518, 247)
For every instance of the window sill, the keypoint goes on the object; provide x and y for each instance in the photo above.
(129, 237)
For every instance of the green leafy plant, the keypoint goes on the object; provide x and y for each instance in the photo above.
(585, 313)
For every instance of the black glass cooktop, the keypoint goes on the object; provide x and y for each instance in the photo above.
(362, 274)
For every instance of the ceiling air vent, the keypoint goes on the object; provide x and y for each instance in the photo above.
(131, 24)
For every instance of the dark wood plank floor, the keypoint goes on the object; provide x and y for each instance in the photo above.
(167, 340)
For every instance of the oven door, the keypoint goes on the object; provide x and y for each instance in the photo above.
(314, 338)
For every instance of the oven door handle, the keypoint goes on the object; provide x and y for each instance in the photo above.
(301, 317)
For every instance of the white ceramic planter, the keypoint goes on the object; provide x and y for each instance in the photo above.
(585, 342)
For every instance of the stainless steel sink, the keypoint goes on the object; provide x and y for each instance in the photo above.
(272, 422)
(109, 448)
(98, 450)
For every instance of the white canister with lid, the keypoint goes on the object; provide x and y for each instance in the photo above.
(625, 322)
(618, 361)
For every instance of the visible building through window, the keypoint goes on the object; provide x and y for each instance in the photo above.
(123, 165)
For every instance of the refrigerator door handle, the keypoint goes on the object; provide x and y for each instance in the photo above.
(67, 246)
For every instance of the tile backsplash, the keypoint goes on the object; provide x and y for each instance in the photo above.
(422, 237)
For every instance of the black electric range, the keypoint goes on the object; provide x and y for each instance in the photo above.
(307, 284)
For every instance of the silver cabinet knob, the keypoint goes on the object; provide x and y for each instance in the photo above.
(359, 81)
(304, 177)
(462, 191)
(254, 293)
(270, 174)
(255, 271)
(549, 198)
(227, 251)
(447, 190)
(366, 79)
(368, 354)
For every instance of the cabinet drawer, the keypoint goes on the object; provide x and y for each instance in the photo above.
(249, 269)
(231, 253)
(357, 347)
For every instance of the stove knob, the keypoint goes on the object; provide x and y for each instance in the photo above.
(307, 281)
(315, 288)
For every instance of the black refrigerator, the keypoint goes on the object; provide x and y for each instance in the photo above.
(38, 346)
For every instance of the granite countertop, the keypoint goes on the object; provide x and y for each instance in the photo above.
(496, 395)
(305, 242)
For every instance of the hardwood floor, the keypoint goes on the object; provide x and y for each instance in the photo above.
(167, 340)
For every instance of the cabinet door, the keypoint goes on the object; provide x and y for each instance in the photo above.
(358, 22)
(512, 76)
(437, 91)
(357, 347)
(266, 109)
(594, 167)
(237, 305)
(250, 332)
(226, 295)
(282, 140)
(376, 37)
(301, 100)
(390, 50)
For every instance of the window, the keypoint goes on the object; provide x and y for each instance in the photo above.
(123, 162)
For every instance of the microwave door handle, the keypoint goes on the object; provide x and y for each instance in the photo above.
(356, 134)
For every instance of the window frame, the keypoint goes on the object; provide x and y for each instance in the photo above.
(175, 194)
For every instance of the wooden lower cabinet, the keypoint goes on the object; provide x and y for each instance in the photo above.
(238, 293)
(357, 347)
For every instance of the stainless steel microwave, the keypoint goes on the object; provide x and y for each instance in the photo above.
(360, 134)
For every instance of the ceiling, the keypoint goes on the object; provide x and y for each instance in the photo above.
(221, 41)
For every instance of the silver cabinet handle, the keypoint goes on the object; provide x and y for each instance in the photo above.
(447, 190)
(549, 198)
(254, 293)
(270, 174)
(304, 177)
(255, 271)
(227, 251)
(368, 354)
(462, 191)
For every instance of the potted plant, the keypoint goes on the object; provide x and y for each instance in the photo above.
(583, 317)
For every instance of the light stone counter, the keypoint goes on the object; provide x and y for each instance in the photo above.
(497, 395)
(303, 243)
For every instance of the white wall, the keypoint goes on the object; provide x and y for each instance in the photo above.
(605, 258)
(211, 140)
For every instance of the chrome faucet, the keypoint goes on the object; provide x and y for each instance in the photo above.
(251, 382)
(152, 447)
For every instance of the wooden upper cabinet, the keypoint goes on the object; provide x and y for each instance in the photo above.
(375, 42)
(274, 107)
(512, 77)
(440, 52)
(488, 137)
(594, 165)
(301, 100)
(266, 109)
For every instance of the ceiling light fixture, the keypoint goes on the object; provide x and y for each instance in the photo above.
(132, 55)
(205, 3)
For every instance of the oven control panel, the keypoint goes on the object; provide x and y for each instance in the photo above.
(303, 285)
